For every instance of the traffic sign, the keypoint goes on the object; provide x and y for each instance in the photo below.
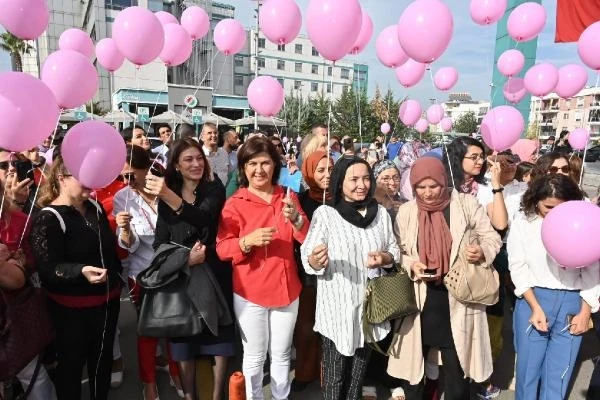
(197, 115)
(143, 114)
(80, 113)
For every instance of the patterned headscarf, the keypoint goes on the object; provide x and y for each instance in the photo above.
(381, 166)
(409, 153)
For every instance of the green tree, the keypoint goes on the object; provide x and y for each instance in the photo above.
(295, 113)
(318, 112)
(466, 123)
(533, 130)
(379, 107)
(95, 108)
(346, 116)
(16, 48)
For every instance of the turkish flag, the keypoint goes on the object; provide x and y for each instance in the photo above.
(573, 16)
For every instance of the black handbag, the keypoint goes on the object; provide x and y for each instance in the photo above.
(25, 329)
(167, 311)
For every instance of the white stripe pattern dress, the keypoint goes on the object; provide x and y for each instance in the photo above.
(341, 286)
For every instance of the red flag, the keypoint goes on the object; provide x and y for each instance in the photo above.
(573, 16)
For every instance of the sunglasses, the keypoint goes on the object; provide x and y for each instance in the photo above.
(565, 169)
(130, 177)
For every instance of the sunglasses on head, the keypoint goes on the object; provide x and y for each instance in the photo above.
(565, 169)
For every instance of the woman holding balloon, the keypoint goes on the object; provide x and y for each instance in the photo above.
(555, 302)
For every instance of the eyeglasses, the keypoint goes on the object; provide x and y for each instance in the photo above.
(476, 157)
(278, 145)
(387, 179)
(565, 169)
(4, 165)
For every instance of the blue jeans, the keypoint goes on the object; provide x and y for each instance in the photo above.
(546, 359)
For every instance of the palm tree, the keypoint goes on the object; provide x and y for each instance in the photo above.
(16, 48)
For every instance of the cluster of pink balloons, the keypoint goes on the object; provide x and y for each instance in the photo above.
(570, 232)
(94, 152)
(265, 96)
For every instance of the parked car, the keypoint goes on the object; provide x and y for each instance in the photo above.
(591, 155)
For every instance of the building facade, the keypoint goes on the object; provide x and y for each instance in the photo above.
(551, 115)
(459, 104)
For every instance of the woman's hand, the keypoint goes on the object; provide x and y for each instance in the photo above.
(94, 275)
(538, 319)
(495, 171)
(378, 258)
(155, 185)
(290, 213)
(580, 323)
(419, 268)
(474, 253)
(197, 254)
(123, 220)
(260, 237)
(18, 191)
(319, 258)
(5, 253)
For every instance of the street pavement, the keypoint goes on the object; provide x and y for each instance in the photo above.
(132, 389)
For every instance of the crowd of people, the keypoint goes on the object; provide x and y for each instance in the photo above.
(280, 270)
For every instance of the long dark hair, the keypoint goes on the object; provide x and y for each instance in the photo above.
(172, 176)
(250, 149)
(454, 155)
(549, 186)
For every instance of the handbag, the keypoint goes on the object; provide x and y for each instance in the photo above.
(25, 329)
(389, 297)
(167, 311)
(473, 283)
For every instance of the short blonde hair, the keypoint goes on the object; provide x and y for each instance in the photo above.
(313, 143)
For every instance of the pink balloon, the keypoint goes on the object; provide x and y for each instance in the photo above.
(526, 21)
(388, 48)
(166, 18)
(229, 36)
(385, 128)
(71, 77)
(78, 40)
(422, 125)
(445, 78)
(410, 73)
(195, 21)
(570, 233)
(280, 20)
(511, 62)
(28, 111)
(364, 36)
(579, 138)
(501, 127)
(139, 35)
(446, 124)
(178, 45)
(541, 79)
(333, 26)
(94, 153)
(514, 90)
(26, 19)
(486, 12)
(571, 79)
(588, 46)
(410, 112)
(108, 54)
(435, 113)
(265, 95)
(425, 29)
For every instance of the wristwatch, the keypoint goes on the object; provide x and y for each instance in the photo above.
(499, 190)
(298, 220)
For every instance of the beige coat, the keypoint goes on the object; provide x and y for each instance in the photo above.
(468, 322)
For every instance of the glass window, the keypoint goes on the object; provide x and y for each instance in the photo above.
(298, 67)
(298, 48)
(345, 74)
(314, 87)
(329, 71)
(281, 82)
(565, 116)
(261, 43)
(315, 52)
(120, 4)
(238, 80)
(297, 85)
(314, 69)
(281, 47)
(261, 62)
(329, 88)
(239, 61)
(344, 89)
(280, 64)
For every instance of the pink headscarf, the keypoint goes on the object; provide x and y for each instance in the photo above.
(525, 148)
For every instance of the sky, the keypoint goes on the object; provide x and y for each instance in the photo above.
(471, 49)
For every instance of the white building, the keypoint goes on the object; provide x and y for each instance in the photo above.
(459, 104)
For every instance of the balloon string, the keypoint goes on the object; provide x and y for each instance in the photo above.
(329, 129)
(358, 98)
(275, 125)
(219, 82)
(582, 166)
(137, 91)
(37, 189)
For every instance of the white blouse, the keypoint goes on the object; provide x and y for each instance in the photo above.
(143, 225)
(531, 266)
(341, 285)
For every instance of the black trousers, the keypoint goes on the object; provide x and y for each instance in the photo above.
(456, 386)
(343, 376)
(83, 339)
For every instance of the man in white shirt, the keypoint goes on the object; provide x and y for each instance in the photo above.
(231, 141)
(217, 157)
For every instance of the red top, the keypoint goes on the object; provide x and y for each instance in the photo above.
(267, 276)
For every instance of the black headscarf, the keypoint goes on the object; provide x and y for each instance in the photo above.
(349, 210)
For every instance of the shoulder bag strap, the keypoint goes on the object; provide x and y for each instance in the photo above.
(61, 221)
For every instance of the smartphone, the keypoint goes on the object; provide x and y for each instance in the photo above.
(24, 170)
(430, 272)
(157, 170)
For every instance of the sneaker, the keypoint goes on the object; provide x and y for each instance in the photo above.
(491, 392)
(180, 393)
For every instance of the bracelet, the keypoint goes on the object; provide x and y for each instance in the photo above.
(245, 248)
(180, 208)
(499, 190)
